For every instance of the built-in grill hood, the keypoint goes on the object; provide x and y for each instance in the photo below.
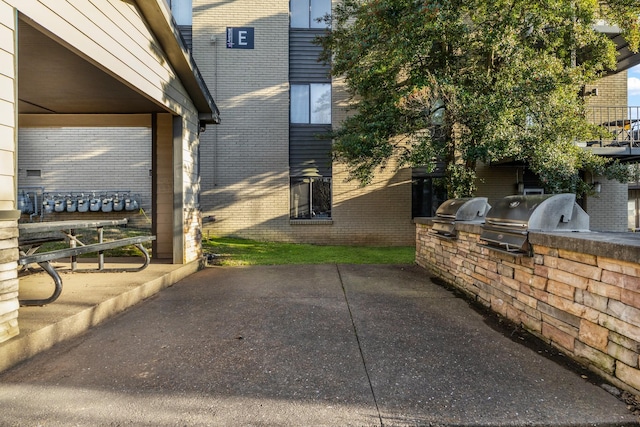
(471, 209)
(509, 221)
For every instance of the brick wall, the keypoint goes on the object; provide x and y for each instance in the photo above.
(245, 159)
(579, 294)
(612, 91)
(88, 159)
(608, 210)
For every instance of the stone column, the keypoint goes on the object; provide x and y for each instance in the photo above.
(8, 274)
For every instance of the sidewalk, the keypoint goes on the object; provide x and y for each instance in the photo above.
(301, 345)
(86, 300)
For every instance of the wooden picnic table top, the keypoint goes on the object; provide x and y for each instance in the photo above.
(40, 227)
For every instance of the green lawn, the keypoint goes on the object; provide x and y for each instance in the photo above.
(234, 252)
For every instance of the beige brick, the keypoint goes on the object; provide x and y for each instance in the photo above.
(551, 261)
(625, 355)
(543, 250)
(593, 335)
(9, 232)
(630, 298)
(628, 375)
(527, 262)
(620, 327)
(624, 312)
(478, 275)
(579, 269)
(9, 285)
(566, 305)
(558, 337)
(618, 266)
(532, 324)
(498, 305)
(488, 264)
(505, 270)
(588, 299)
(511, 283)
(561, 324)
(538, 294)
(574, 280)
(539, 282)
(625, 342)
(561, 289)
(622, 280)
(9, 255)
(527, 299)
(599, 359)
(523, 276)
(578, 257)
(604, 289)
(9, 330)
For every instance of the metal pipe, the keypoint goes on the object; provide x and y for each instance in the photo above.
(56, 292)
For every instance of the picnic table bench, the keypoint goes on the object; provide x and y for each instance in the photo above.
(32, 237)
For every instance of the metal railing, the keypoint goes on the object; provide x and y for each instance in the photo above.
(621, 126)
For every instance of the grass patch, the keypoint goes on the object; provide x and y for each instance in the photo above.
(233, 252)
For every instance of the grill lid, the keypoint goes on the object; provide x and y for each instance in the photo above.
(510, 219)
(549, 212)
(462, 209)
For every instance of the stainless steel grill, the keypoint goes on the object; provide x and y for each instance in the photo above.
(464, 209)
(509, 221)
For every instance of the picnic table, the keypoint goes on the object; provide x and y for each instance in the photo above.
(33, 235)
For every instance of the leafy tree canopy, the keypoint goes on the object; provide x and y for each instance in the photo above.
(473, 80)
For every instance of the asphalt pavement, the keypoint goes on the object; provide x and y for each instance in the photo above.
(313, 345)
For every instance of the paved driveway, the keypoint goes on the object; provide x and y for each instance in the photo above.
(301, 345)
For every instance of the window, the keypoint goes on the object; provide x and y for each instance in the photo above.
(427, 194)
(311, 103)
(311, 197)
(307, 13)
(181, 11)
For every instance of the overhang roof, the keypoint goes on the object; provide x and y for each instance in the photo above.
(626, 59)
(54, 79)
(161, 22)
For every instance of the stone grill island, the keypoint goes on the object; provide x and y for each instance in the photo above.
(578, 291)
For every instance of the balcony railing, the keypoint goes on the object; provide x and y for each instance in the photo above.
(621, 126)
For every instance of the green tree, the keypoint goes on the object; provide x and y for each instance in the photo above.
(473, 80)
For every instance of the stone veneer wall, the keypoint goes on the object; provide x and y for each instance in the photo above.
(8, 278)
(580, 292)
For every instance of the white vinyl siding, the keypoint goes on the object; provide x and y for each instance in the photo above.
(7, 107)
(112, 34)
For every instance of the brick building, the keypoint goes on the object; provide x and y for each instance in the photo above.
(265, 172)
(264, 169)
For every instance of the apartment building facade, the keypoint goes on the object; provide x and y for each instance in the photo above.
(266, 170)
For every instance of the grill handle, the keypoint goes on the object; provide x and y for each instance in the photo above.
(509, 225)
